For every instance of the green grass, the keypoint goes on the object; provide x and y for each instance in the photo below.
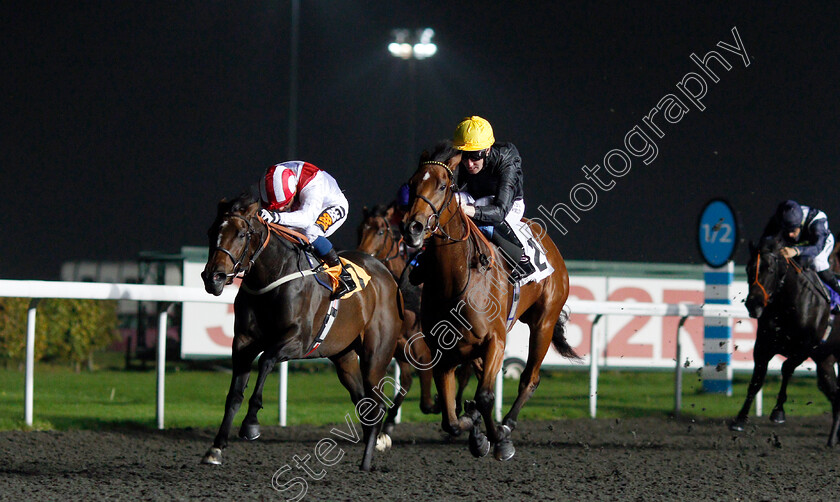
(113, 397)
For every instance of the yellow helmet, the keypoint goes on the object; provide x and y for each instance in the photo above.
(473, 133)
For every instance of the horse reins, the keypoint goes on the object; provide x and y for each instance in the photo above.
(394, 242)
(756, 282)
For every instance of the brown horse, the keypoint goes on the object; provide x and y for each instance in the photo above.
(466, 298)
(378, 238)
(282, 319)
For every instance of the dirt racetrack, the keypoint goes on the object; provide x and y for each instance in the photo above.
(635, 459)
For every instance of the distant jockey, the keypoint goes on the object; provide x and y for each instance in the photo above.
(805, 234)
(298, 194)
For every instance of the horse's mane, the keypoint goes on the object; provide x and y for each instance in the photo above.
(442, 152)
(378, 210)
(770, 244)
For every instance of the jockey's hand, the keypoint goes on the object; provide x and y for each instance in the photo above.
(269, 216)
(469, 209)
(789, 252)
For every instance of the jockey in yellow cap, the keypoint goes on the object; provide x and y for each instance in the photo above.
(491, 174)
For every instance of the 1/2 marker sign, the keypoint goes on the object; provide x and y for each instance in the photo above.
(717, 233)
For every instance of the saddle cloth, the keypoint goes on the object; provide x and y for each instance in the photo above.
(360, 276)
(834, 297)
(534, 250)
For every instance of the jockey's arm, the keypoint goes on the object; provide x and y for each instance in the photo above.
(311, 200)
(495, 212)
(817, 233)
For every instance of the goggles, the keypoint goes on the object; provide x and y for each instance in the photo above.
(475, 155)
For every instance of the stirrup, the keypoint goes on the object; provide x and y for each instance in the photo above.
(345, 285)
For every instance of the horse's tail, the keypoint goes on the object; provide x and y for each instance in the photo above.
(559, 338)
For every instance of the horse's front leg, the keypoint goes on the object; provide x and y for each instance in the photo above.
(250, 429)
(778, 413)
(761, 357)
(445, 383)
(236, 394)
(485, 397)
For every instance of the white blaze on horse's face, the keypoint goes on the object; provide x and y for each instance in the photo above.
(426, 176)
(221, 231)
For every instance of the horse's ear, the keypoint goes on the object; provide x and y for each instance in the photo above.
(389, 212)
(252, 209)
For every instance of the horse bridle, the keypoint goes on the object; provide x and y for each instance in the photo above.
(779, 284)
(436, 212)
(384, 246)
(237, 262)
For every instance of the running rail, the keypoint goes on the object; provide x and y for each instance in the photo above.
(37, 290)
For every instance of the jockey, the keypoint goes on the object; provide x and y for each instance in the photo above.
(493, 175)
(805, 234)
(298, 194)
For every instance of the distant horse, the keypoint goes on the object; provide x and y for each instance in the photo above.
(378, 238)
(279, 309)
(466, 298)
(793, 316)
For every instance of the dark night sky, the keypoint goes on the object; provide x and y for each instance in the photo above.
(123, 123)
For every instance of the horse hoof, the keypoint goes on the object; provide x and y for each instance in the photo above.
(213, 457)
(388, 429)
(479, 445)
(383, 442)
(736, 426)
(249, 432)
(504, 450)
(777, 417)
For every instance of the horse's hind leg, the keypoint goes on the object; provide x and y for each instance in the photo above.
(405, 385)
(542, 330)
(827, 383)
(374, 360)
(349, 374)
(236, 394)
(778, 413)
(250, 429)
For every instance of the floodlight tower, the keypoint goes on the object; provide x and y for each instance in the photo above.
(412, 47)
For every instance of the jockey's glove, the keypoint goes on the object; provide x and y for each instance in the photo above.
(269, 216)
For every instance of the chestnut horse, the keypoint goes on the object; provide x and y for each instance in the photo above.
(378, 238)
(466, 298)
(281, 319)
(793, 316)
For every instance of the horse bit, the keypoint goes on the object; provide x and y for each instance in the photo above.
(237, 262)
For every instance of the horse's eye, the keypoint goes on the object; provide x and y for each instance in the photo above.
(380, 232)
(442, 188)
(242, 235)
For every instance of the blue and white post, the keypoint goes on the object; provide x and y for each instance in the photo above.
(717, 236)
(717, 331)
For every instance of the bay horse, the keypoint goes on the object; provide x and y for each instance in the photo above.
(793, 318)
(378, 238)
(466, 297)
(281, 319)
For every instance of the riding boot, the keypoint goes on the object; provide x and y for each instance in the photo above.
(345, 280)
(829, 278)
(507, 241)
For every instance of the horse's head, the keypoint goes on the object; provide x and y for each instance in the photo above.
(432, 191)
(234, 242)
(375, 235)
(765, 272)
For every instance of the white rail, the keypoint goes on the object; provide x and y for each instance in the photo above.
(172, 294)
